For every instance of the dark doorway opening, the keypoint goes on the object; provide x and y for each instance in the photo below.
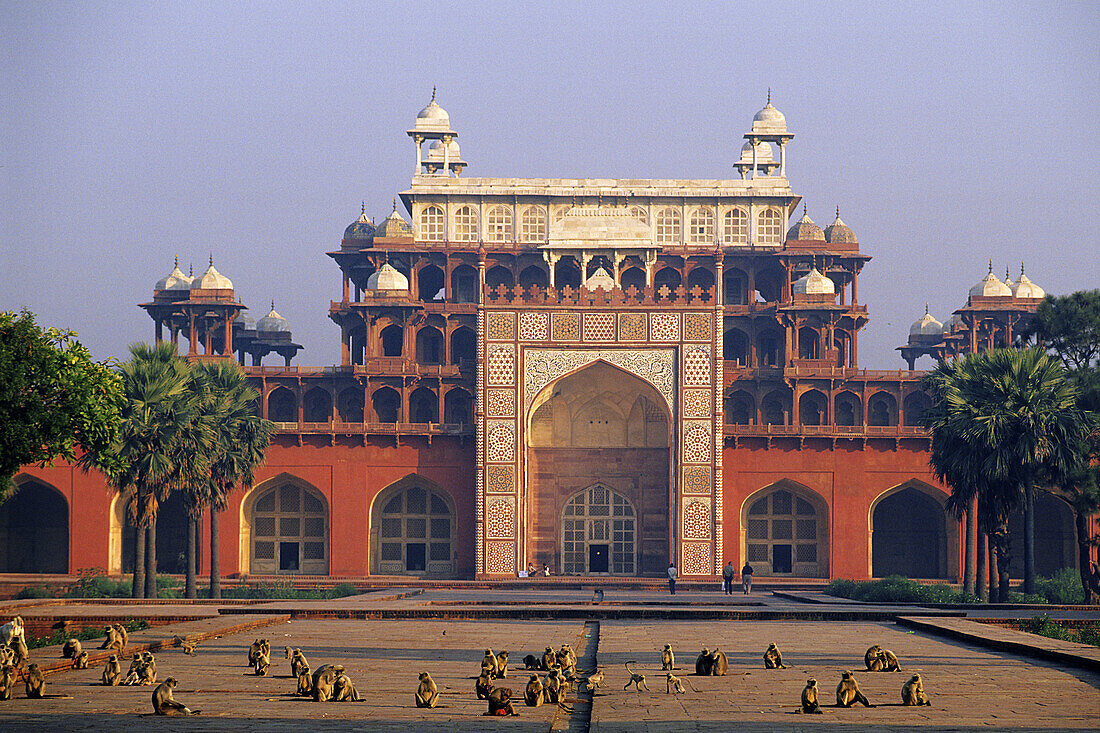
(415, 557)
(781, 559)
(288, 556)
(598, 558)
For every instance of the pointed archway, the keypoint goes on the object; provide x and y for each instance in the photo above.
(598, 430)
(909, 533)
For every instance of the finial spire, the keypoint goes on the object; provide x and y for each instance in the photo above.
(191, 269)
(433, 92)
(926, 309)
(211, 259)
(803, 208)
(838, 211)
(363, 207)
(178, 261)
(395, 204)
(1006, 273)
(1021, 267)
(769, 95)
(990, 265)
(272, 304)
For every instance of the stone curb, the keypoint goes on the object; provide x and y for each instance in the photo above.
(828, 600)
(1008, 640)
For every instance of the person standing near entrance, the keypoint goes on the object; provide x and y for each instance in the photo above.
(672, 573)
(746, 577)
(727, 578)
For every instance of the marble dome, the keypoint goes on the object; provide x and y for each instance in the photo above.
(814, 283)
(838, 232)
(926, 325)
(211, 280)
(272, 322)
(387, 278)
(806, 230)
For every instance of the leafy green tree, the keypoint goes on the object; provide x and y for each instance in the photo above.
(1006, 416)
(242, 437)
(54, 399)
(1069, 325)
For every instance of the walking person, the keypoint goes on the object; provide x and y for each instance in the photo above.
(746, 577)
(727, 578)
(672, 573)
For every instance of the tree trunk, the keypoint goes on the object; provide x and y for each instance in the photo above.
(1003, 559)
(1081, 524)
(151, 560)
(137, 589)
(190, 589)
(982, 580)
(215, 570)
(970, 567)
(1029, 535)
(994, 573)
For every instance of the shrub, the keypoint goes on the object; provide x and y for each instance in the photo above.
(34, 591)
(88, 632)
(896, 589)
(1064, 587)
(342, 590)
(94, 583)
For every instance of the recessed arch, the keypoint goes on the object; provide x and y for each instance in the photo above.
(317, 405)
(284, 528)
(882, 409)
(282, 405)
(34, 528)
(785, 531)
(1055, 537)
(412, 529)
(909, 532)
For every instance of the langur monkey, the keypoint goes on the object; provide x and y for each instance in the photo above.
(889, 661)
(500, 702)
(20, 652)
(124, 636)
(532, 662)
(773, 658)
(427, 694)
(809, 698)
(71, 650)
(847, 692)
(261, 663)
(672, 682)
(594, 681)
(490, 661)
(668, 659)
(552, 689)
(112, 671)
(258, 647)
(297, 662)
(324, 681)
(702, 663)
(912, 692)
(501, 669)
(549, 659)
(534, 694)
(188, 647)
(343, 690)
(305, 681)
(81, 662)
(7, 681)
(113, 639)
(719, 665)
(638, 680)
(13, 630)
(35, 682)
(484, 685)
(163, 704)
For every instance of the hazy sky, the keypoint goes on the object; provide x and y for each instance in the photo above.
(948, 133)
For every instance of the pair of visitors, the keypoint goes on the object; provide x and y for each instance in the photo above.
(727, 578)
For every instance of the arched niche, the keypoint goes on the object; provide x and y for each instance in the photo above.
(172, 528)
(910, 534)
(34, 528)
(785, 531)
(284, 528)
(1055, 537)
(412, 529)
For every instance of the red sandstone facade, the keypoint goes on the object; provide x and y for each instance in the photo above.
(598, 376)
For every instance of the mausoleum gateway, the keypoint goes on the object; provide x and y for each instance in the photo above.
(598, 375)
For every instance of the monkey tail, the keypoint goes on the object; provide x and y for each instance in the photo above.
(627, 665)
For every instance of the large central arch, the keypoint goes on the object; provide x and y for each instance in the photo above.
(34, 529)
(600, 428)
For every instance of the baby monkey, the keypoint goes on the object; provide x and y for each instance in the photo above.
(773, 659)
(7, 681)
(81, 661)
(188, 647)
(638, 680)
(594, 681)
(809, 698)
(912, 692)
(672, 682)
(500, 702)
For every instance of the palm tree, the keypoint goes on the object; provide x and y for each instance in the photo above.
(242, 437)
(155, 384)
(1005, 416)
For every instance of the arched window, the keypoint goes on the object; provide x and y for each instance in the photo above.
(567, 272)
(668, 277)
(908, 536)
(914, 406)
(458, 407)
(533, 276)
(429, 345)
(598, 534)
(812, 408)
(415, 528)
(317, 406)
(740, 409)
(393, 338)
(423, 406)
(639, 213)
(782, 535)
(282, 406)
(632, 276)
(769, 227)
(704, 279)
(431, 224)
(349, 404)
(807, 343)
(668, 226)
(463, 345)
(735, 347)
(289, 531)
(882, 409)
(736, 287)
(498, 224)
(498, 276)
(386, 402)
(770, 349)
(34, 530)
(701, 226)
(774, 408)
(464, 284)
(429, 284)
(735, 227)
(848, 411)
(532, 224)
(465, 224)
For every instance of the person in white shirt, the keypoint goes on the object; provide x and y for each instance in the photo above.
(672, 573)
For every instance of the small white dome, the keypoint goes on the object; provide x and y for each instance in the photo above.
(769, 119)
(246, 321)
(433, 118)
(175, 280)
(926, 325)
(387, 278)
(601, 279)
(211, 280)
(814, 283)
(990, 287)
(435, 151)
(272, 322)
(1024, 288)
(763, 153)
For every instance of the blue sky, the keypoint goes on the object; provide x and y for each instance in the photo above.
(948, 133)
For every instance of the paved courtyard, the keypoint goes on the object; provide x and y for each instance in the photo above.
(971, 687)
